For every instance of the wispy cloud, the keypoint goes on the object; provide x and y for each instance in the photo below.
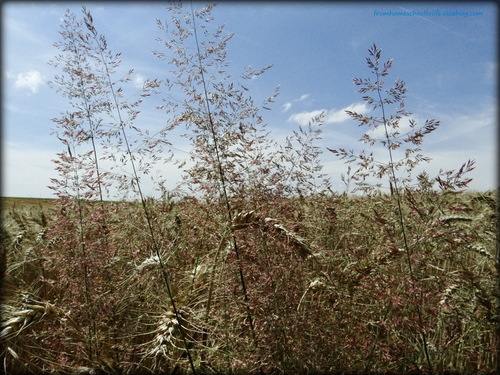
(139, 80)
(31, 80)
(289, 105)
(460, 137)
(332, 116)
(303, 118)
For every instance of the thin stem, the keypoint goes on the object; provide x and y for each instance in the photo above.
(401, 218)
(223, 184)
(92, 138)
(88, 115)
(81, 232)
(149, 220)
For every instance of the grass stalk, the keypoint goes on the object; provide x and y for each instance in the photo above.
(92, 326)
(146, 211)
(223, 186)
(395, 189)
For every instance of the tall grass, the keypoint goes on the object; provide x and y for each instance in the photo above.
(326, 278)
(259, 267)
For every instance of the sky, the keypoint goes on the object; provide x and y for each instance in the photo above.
(445, 52)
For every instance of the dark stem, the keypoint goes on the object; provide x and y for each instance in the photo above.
(91, 316)
(223, 185)
(149, 220)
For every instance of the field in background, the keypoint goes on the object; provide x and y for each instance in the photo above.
(9, 203)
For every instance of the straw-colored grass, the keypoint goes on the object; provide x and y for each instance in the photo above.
(329, 291)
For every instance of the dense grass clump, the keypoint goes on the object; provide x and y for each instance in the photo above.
(328, 281)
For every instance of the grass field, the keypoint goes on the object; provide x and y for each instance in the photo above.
(10, 203)
(327, 282)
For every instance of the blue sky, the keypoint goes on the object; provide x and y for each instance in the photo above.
(448, 61)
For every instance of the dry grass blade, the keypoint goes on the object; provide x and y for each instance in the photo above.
(15, 321)
(12, 353)
(168, 341)
(243, 220)
(315, 285)
(300, 243)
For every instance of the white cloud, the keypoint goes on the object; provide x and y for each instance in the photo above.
(139, 81)
(473, 125)
(288, 105)
(461, 136)
(31, 80)
(303, 118)
(331, 116)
